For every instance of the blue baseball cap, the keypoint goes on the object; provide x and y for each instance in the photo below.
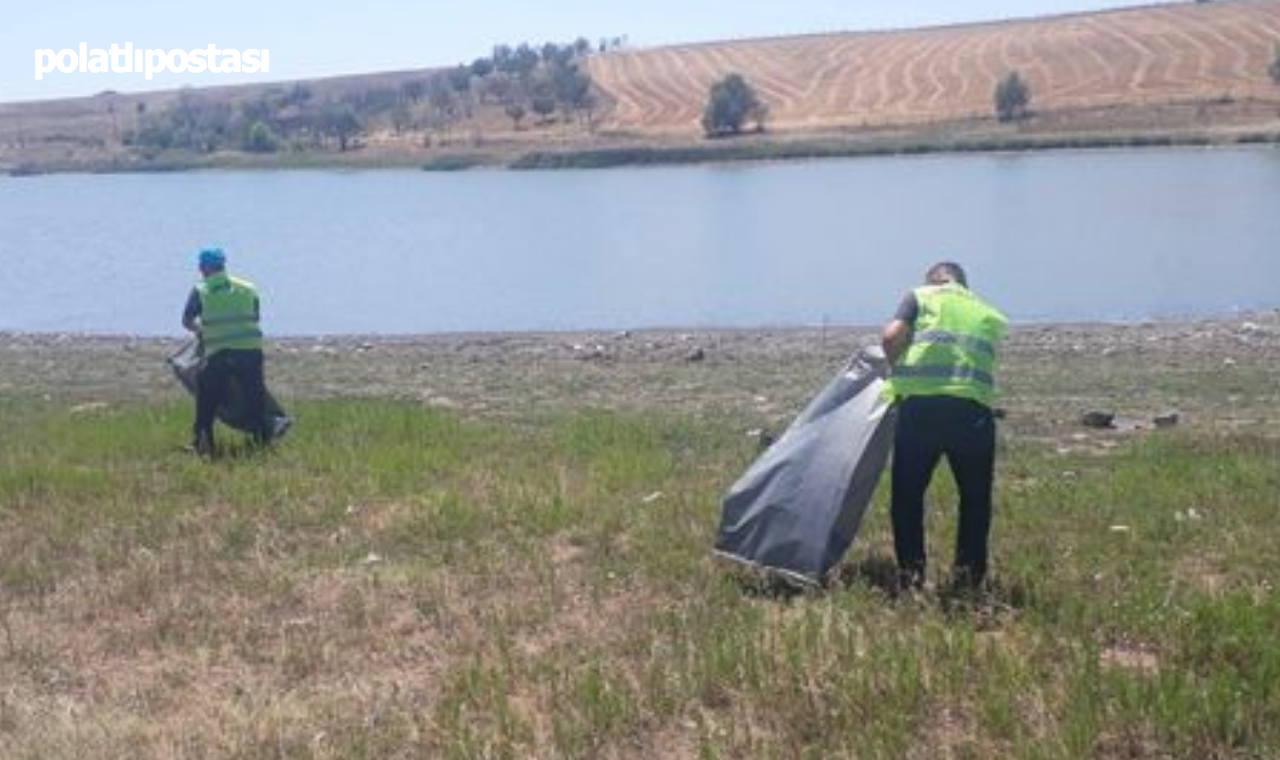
(212, 258)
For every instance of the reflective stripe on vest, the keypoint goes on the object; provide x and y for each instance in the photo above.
(969, 342)
(957, 372)
(228, 314)
(953, 349)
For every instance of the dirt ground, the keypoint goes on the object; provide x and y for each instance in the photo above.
(1217, 374)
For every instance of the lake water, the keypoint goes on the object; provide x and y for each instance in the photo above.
(1060, 236)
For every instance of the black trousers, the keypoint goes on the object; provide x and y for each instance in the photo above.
(930, 427)
(214, 388)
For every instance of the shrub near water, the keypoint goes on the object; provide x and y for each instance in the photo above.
(395, 581)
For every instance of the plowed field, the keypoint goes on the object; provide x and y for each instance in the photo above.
(1142, 57)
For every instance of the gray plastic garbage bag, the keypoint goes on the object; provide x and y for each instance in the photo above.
(798, 507)
(187, 363)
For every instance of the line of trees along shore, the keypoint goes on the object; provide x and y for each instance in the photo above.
(543, 84)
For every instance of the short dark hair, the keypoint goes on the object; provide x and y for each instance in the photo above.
(944, 272)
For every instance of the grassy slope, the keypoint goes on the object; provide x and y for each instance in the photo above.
(401, 582)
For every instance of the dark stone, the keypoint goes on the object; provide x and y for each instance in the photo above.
(1095, 419)
(765, 441)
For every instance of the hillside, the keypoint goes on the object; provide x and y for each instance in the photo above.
(1154, 56)
(1173, 73)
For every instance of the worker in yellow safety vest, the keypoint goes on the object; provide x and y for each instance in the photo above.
(224, 312)
(942, 344)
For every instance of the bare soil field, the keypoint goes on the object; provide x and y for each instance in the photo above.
(1149, 57)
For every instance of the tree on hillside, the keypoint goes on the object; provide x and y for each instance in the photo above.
(544, 106)
(572, 88)
(339, 121)
(481, 67)
(260, 139)
(557, 55)
(401, 118)
(460, 79)
(442, 98)
(613, 44)
(299, 95)
(731, 103)
(501, 58)
(1013, 98)
(1275, 67)
(516, 112)
(498, 89)
(195, 123)
(412, 91)
(115, 119)
(374, 100)
(524, 60)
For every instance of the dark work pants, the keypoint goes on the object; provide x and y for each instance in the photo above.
(930, 427)
(214, 387)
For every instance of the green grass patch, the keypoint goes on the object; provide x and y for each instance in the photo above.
(396, 580)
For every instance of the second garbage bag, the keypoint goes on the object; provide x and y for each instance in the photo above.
(187, 363)
(798, 507)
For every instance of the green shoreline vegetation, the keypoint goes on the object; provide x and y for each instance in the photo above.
(620, 154)
(825, 148)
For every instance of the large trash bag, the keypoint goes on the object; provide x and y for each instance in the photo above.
(798, 507)
(187, 362)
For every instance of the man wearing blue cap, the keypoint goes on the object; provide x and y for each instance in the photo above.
(224, 311)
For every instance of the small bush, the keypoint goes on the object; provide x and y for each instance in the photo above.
(1013, 98)
(260, 139)
(731, 103)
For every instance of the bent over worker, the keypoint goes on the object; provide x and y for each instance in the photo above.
(224, 312)
(942, 343)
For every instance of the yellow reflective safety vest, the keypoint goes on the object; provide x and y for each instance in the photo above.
(953, 348)
(228, 314)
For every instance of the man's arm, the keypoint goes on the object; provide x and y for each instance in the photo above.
(191, 314)
(896, 336)
(895, 339)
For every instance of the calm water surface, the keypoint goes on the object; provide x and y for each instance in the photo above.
(1062, 236)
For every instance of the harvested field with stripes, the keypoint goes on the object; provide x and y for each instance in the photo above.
(1158, 56)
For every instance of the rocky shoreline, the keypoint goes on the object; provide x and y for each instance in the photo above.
(1218, 374)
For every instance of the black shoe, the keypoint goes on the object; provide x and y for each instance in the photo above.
(910, 580)
(202, 446)
(965, 583)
